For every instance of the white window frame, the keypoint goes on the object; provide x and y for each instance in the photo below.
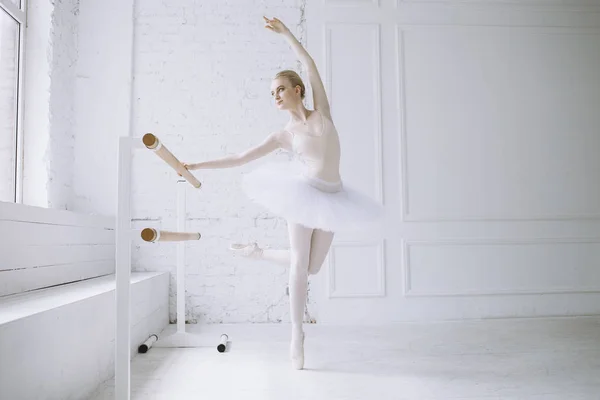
(19, 14)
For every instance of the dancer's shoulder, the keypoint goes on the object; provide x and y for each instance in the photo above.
(284, 137)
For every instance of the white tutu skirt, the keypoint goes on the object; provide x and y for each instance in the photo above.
(283, 190)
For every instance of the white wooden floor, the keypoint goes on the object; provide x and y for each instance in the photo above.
(549, 359)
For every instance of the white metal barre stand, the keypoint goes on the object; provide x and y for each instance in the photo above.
(177, 338)
(180, 338)
(123, 237)
(123, 271)
(181, 212)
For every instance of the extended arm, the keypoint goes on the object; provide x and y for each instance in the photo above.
(271, 143)
(320, 100)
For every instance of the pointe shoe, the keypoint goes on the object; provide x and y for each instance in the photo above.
(297, 352)
(246, 250)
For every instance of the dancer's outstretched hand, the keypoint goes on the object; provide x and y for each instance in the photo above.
(275, 25)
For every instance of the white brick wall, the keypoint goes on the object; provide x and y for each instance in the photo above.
(202, 72)
(202, 84)
(36, 103)
(77, 102)
(60, 152)
(102, 101)
(51, 58)
(8, 76)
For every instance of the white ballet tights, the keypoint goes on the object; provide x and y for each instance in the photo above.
(320, 242)
(308, 249)
(307, 252)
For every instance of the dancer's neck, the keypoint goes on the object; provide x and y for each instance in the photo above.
(300, 114)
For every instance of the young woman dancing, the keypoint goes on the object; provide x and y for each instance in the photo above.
(312, 199)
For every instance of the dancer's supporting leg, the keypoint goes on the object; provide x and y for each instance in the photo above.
(308, 249)
(300, 239)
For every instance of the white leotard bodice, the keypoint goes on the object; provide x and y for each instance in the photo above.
(319, 151)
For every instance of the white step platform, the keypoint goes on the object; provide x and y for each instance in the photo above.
(58, 343)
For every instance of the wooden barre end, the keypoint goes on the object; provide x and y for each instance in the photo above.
(149, 234)
(153, 235)
(150, 140)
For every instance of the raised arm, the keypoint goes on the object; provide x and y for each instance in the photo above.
(271, 143)
(320, 100)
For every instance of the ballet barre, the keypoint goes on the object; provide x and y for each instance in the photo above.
(154, 235)
(152, 143)
(123, 237)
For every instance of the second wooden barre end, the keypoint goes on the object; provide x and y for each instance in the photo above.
(154, 235)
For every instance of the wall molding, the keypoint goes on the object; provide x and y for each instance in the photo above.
(401, 118)
(332, 293)
(408, 291)
(377, 110)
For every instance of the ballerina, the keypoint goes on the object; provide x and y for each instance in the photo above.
(311, 197)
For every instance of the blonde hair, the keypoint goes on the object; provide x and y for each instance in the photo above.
(294, 79)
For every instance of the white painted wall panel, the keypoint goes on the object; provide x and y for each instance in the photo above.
(22, 280)
(34, 234)
(493, 267)
(500, 123)
(356, 270)
(23, 256)
(358, 122)
(490, 133)
(45, 247)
